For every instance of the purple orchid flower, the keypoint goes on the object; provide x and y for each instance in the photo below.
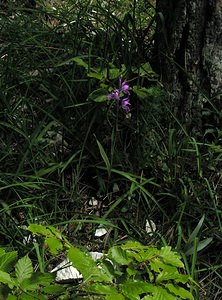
(124, 87)
(125, 104)
(117, 94)
(114, 95)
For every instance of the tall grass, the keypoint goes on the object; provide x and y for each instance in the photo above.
(59, 147)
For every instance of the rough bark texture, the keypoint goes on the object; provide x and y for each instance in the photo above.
(189, 47)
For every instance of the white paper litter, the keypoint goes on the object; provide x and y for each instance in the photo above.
(100, 232)
(93, 202)
(65, 271)
(150, 227)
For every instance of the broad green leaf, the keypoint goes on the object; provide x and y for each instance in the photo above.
(179, 291)
(37, 278)
(119, 255)
(54, 244)
(32, 296)
(101, 289)
(108, 267)
(7, 261)
(146, 70)
(133, 245)
(141, 92)
(27, 285)
(23, 269)
(131, 272)
(48, 231)
(11, 297)
(113, 73)
(6, 278)
(84, 263)
(115, 296)
(140, 252)
(143, 256)
(162, 294)
(95, 75)
(54, 289)
(2, 251)
(165, 276)
(171, 257)
(99, 95)
(80, 62)
(134, 288)
(158, 265)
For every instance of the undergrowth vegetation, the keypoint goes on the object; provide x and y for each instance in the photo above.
(84, 119)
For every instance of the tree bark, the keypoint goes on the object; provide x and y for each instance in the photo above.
(189, 55)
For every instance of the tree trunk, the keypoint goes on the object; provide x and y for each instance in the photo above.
(189, 60)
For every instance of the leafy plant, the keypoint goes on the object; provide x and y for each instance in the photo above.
(133, 271)
(128, 271)
(18, 280)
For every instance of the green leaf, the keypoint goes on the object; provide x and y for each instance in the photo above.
(32, 296)
(104, 157)
(201, 245)
(171, 257)
(195, 233)
(23, 269)
(115, 296)
(157, 265)
(80, 62)
(143, 256)
(146, 70)
(108, 267)
(113, 73)
(84, 263)
(101, 289)
(54, 289)
(99, 95)
(37, 278)
(6, 278)
(165, 276)
(7, 261)
(11, 297)
(2, 251)
(95, 75)
(162, 294)
(54, 244)
(48, 231)
(179, 291)
(134, 288)
(119, 255)
(133, 245)
(141, 92)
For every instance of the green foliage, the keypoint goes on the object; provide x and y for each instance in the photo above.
(147, 271)
(63, 143)
(20, 281)
(128, 271)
